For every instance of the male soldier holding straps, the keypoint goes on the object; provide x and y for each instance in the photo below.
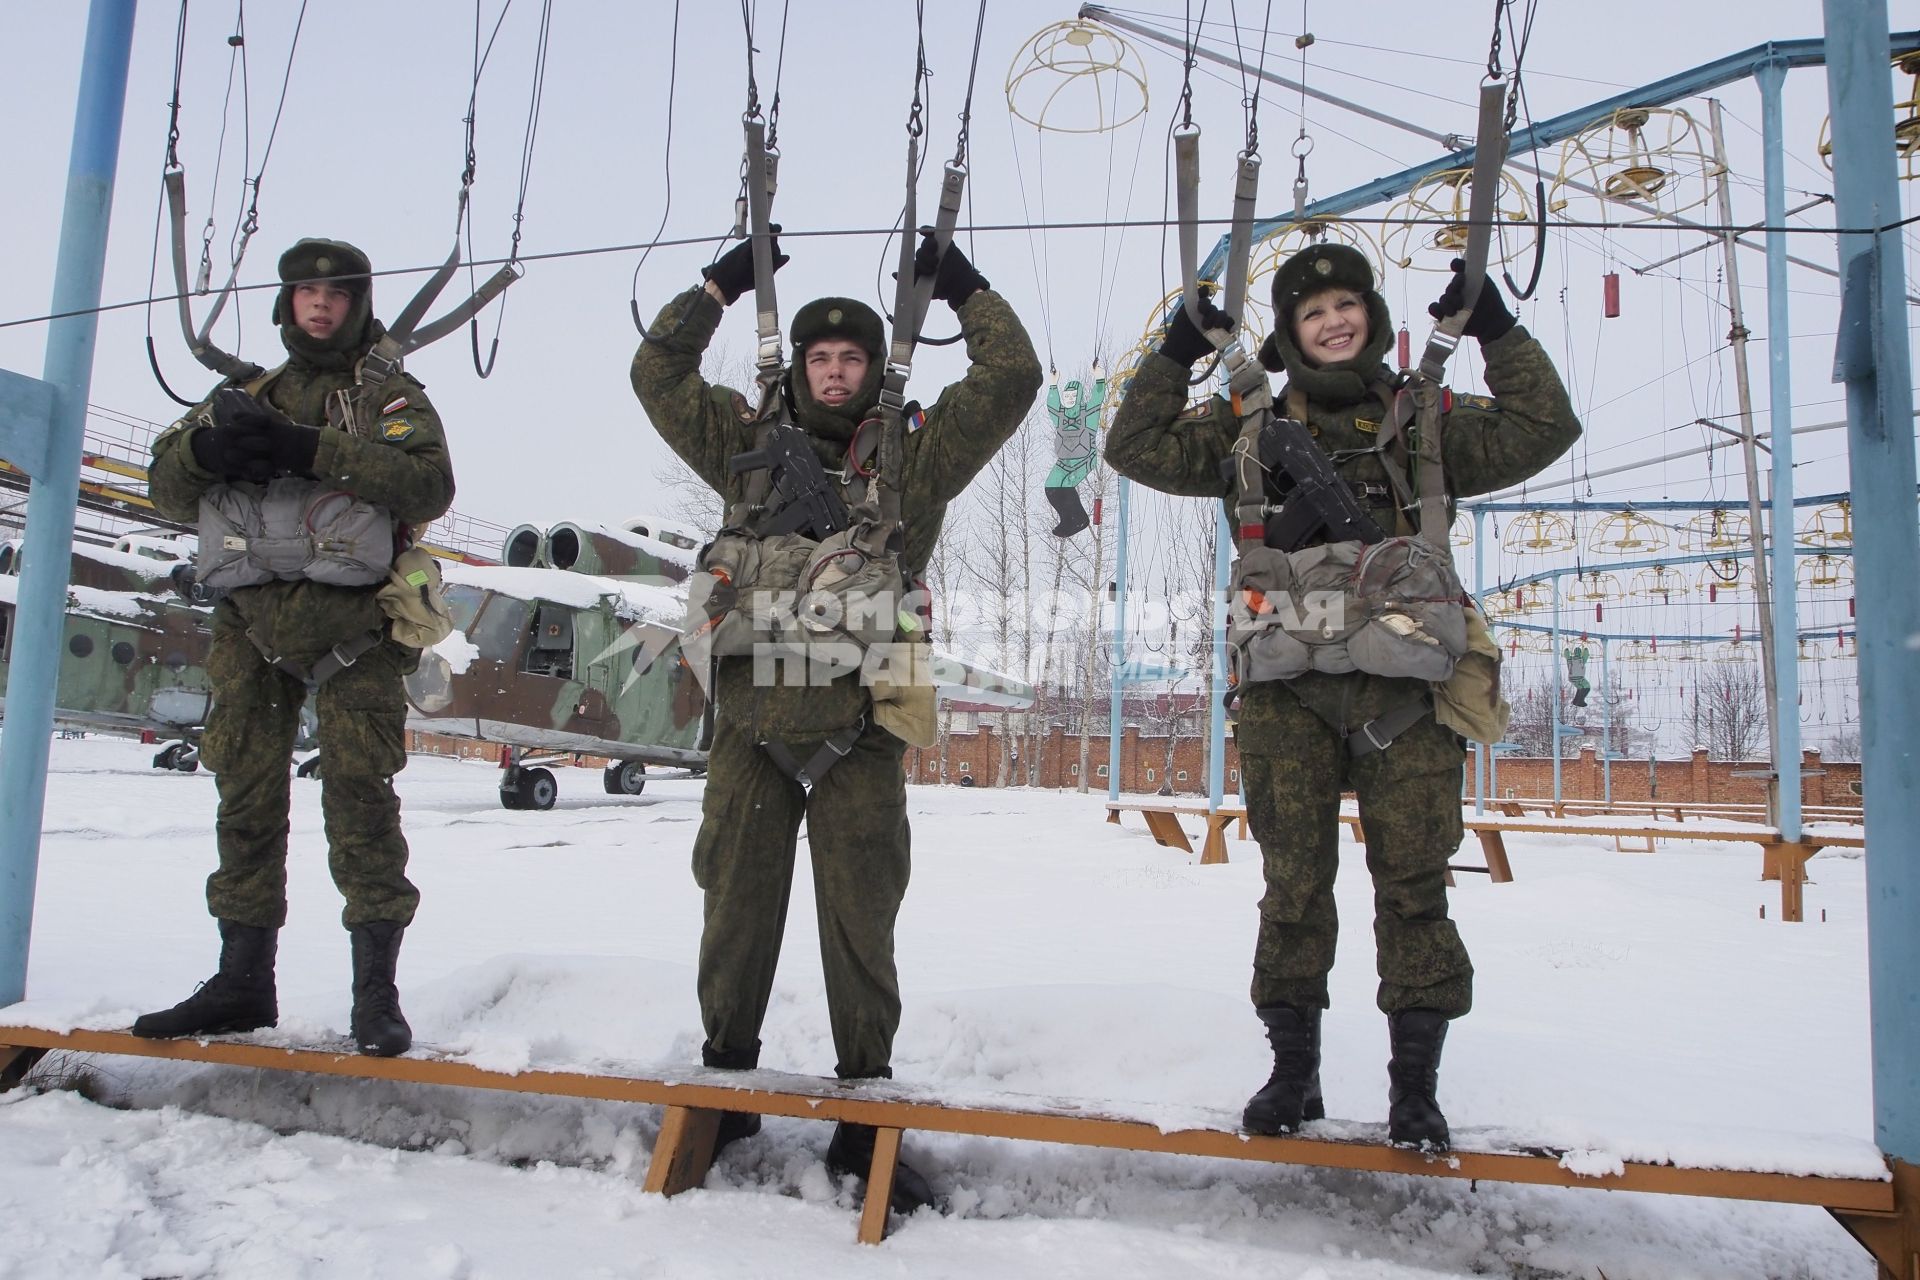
(855, 806)
(252, 447)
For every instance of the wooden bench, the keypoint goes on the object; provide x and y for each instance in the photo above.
(1782, 860)
(1882, 1213)
(1678, 810)
(1163, 823)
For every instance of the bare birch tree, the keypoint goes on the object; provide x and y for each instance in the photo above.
(1731, 702)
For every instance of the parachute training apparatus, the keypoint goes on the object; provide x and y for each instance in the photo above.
(855, 559)
(1417, 411)
(1074, 77)
(406, 334)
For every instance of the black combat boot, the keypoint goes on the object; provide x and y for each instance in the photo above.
(1292, 1094)
(1413, 1116)
(734, 1125)
(851, 1152)
(238, 998)
(380, 1030)
(1066, 504)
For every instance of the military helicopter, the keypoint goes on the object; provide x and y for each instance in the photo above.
(569, 648)
(135, 646)
(572, 646)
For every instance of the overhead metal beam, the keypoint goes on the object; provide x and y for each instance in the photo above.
(1783, 53)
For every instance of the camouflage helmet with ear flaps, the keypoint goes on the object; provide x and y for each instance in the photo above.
(839, 318)
(335, 262)
(855, 322)
(1316, 268)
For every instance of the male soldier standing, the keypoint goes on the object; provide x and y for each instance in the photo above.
(1304, 740)
(855, 806)
(249, 446)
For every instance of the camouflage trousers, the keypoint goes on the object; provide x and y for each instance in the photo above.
(1409, 798)
(743, 859)
(249, 744)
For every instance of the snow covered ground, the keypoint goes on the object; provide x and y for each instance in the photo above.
(1635, 1006)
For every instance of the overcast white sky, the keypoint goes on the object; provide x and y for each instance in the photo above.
(370, 151)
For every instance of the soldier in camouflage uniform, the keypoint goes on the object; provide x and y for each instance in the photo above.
(1299, 740)
(856, 813)
(382, 444)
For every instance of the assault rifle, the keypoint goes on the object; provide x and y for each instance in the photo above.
(1310, 501)
(801, 496)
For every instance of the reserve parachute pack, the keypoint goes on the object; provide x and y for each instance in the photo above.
(1390, 607)
(795, 572)
(291, 528)
(1359, 601)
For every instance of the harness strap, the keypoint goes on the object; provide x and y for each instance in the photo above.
(199, 342)
(762, 180)
(912, 295)
(1378, 733)
(830, 753)
(1489, 154)
(331, 663)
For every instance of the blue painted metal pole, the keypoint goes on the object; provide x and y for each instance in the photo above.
(1553, 740)
(1119, 641)
(39, 617)
(1606, 721)
(1217, 713)
(1482, 769)
(1871, 359)
(1786, 596)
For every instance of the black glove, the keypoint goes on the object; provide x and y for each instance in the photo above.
(732, 273)
(1184, 342)
(294, 447)
(252, 441)
(233, 407)
(954, 278)
(242, 451)
(1490, 318)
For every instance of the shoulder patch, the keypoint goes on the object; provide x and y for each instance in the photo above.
(741, 408)
(1366, 427)
(1196, 411)
(396, 429)
(916, 420)
(1486, 404)
(394, 405)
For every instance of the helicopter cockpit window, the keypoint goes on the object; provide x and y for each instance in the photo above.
(497, 630)
(551, 651)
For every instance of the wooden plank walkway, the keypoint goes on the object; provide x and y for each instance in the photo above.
(696, 1097)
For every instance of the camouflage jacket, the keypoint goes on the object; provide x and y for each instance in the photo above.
(402, 464)
(1488, 444)
(708, 425)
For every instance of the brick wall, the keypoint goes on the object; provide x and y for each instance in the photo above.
(1057, 761)
(1694, 781)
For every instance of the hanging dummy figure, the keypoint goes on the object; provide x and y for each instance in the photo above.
(1577, 673)
(1076, 420)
